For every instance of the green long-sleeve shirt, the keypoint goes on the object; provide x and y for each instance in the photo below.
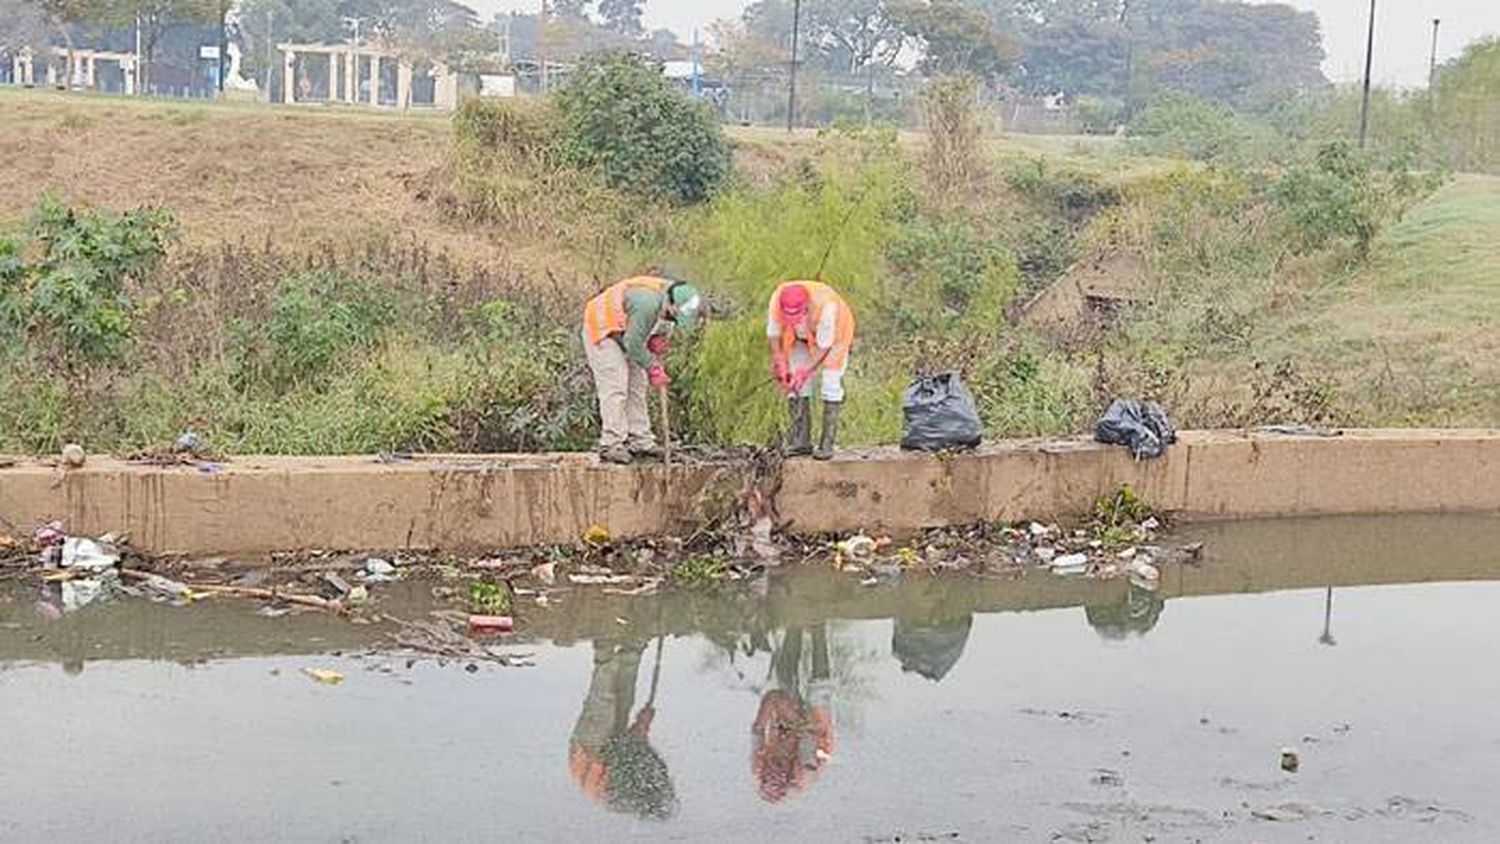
(642, 311)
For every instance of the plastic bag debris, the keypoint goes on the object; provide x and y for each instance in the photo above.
(81, 553)
(940, 414)
(377, 570)
(1143, 427)
(80, 592)
(1070, 564)
(858, 547)
(326, 676)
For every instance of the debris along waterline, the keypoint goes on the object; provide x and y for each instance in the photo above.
(481, 599)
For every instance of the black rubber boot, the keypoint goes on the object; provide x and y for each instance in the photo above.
(799, 441)
(831, 411)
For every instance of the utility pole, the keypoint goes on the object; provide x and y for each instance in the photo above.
(541, 44)
(791, 106)
(270, 67)
(223, 41)
(1432, 60)
(1364, 106)
(140, 63)
(1432, 76)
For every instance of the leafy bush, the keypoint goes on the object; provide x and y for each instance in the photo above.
(1186, 126)
(527, 128)
(949, 261)
(63, 291)
(622, 119)
(316, 318)
(1338, 196)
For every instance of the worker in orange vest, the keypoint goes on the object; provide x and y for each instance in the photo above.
(626, 331)
(810, 331)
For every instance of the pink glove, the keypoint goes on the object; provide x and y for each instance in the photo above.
(658, 345)
(658, 375)
(800, 379)
(780, 370)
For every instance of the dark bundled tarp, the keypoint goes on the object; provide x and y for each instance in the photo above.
(1141, 426)
(940, 414)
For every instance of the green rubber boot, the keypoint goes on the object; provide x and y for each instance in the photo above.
(831, 411)
(799, 441)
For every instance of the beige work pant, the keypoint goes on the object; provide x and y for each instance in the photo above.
(623, 389)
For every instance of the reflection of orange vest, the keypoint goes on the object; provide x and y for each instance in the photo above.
(589, 772)
(822, 297)
(605, 314)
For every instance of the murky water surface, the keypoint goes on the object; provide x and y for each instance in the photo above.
(815, 709)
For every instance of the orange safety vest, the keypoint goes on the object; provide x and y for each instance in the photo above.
(605, 314)
(822, 297)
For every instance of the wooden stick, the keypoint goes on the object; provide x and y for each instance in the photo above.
(241, 592)
(666, 426)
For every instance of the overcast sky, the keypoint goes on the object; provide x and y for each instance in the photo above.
(1403, 29)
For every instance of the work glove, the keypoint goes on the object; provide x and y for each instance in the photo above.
(658, 345)
(658, 375)
(800, 379)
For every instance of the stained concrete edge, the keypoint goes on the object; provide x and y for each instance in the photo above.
(463, 502)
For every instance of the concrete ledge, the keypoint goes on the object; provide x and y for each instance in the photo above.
(259, 504)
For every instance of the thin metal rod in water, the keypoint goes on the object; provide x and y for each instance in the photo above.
(1364, 107)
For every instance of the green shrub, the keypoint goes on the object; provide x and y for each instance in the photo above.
(528, 128)
(316, 319)
(949, 261)
(622, 119)
(1339, 196)
(64, 291)
(1204, 130)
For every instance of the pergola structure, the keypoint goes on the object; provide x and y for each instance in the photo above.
(23, 65)
(348, 64)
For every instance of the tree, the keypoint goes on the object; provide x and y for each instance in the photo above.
(577, 10)
(64, 15)
(956, 38)
(22, 24)
(623, 16)
(1468, 88)
(154, 16)
(623, 120)
(863, 30)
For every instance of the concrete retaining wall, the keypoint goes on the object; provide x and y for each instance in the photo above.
(254, 505)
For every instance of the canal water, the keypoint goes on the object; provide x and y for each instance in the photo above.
(806, 708)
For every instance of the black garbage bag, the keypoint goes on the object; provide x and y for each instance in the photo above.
(1142, 426)
(940, 414)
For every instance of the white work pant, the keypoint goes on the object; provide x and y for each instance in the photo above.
(833, 379)
(623, 388)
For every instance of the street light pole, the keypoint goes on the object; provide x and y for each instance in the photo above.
(1432, 76)
(1364, 107)
(1432, 61)
(791, 106)
(541, 44)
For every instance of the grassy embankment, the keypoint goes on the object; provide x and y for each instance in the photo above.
(351, 332)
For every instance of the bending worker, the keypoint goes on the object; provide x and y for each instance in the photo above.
(810, 331)
(626, 332)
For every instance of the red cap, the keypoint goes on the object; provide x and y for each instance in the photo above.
(794, 300)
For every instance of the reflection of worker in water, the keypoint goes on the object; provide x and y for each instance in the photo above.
(930, 647)
(610, 755)
(793, 730)
(1136, 612)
